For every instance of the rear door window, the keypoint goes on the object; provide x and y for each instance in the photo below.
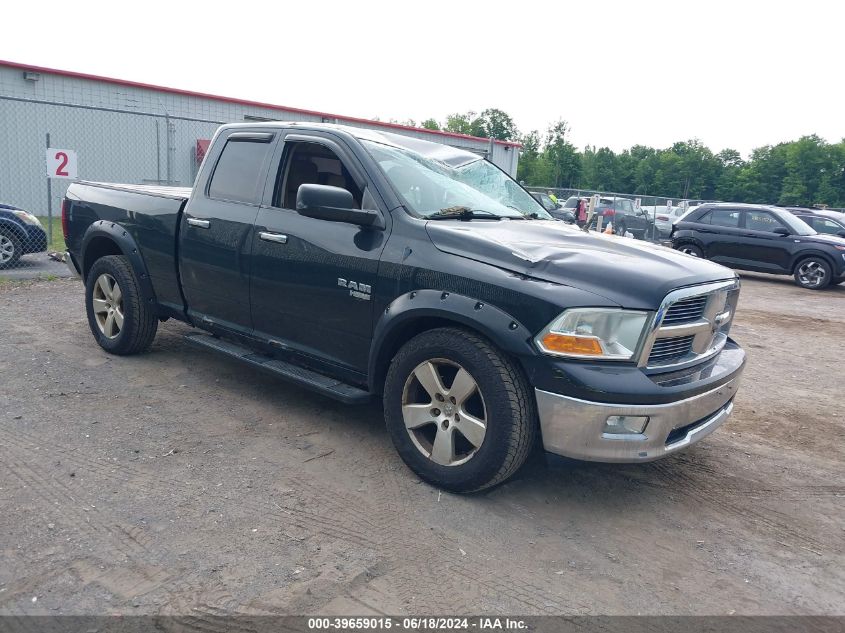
(724, 217)
(239, 173)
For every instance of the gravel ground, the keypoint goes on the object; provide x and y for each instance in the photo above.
(35, 266)
(179, 482)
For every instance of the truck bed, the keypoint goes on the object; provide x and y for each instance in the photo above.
(150, 214)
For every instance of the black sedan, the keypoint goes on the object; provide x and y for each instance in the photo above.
(762, 239)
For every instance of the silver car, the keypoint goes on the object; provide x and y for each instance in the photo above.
(665, 217)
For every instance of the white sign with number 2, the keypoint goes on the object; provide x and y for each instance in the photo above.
(61, 163)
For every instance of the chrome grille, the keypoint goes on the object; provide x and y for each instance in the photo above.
(670, 348)
(690, 326)
(685, 310)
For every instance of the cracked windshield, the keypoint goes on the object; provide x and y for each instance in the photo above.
(432, 188)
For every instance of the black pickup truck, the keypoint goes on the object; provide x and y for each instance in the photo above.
(359, 264)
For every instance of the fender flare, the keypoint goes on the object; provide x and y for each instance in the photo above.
(501, 328)
(128, 247)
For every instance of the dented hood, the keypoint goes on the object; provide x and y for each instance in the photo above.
(632, 273)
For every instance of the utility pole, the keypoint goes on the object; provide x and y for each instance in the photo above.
(49, 202)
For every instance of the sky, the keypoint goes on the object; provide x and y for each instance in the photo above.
(738, 74)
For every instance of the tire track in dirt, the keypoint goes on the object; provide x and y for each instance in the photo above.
(372, 524)
(117, 547)
(145, 482)
(776, 524)
(129, 578)
(425, 559)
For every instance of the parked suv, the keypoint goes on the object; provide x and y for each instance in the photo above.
(763, 239)
(20, 233)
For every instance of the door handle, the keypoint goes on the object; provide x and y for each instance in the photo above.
(273, 237)
(202, 224)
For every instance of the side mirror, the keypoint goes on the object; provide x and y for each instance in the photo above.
(841, 233)
(781, 231)
(333, 204)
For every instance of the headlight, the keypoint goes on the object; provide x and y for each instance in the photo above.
(28, 218)
(601, 333)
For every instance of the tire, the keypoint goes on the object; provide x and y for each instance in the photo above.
(11, 249)
(813, 273)
(112, 292)
(690, 249)
(620, 228)
(495, 392)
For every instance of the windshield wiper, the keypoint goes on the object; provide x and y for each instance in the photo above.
(463, 213)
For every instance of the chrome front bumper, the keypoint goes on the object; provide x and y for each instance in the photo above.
(574, 428)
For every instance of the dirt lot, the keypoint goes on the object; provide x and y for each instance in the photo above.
(180, 482)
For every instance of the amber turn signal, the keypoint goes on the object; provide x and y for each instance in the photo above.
(569, 344)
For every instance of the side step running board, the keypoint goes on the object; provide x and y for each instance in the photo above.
(325, 385)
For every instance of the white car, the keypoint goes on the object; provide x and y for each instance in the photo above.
(665, 217)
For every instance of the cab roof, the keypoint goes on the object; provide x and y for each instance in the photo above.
(437, 151)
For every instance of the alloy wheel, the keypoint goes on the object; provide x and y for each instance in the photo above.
(811, 274)
(107, 300)
(689, 251)
(7, 250)
(446, 424)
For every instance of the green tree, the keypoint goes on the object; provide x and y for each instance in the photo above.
(533, 169)
(431, 124)
(493, 123)
(599, 169)
(563, 159)
(460, 123)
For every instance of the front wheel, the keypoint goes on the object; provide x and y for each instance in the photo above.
(120, 320)
(459, 412)
(813, 273)
(691, 249)
(11, 250)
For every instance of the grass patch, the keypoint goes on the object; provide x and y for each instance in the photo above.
(58, 243)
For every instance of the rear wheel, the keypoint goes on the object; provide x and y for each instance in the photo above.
(813, 273)
(691, 249)
(11, 249)
(459, 412)
(121, 321)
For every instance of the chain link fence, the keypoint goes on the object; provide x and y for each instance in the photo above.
(111, 145)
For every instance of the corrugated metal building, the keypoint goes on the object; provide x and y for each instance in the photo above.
(125, 131)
